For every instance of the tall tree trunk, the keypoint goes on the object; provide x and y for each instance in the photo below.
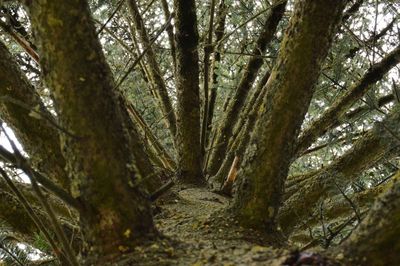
(97, 147)
(219, 33)
(155, 73)
(187, 84)
(267, 159)
(241, 136)
(253, 66)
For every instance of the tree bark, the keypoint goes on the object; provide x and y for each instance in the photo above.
(375, 242)
(187, 85)
(115, 215)
(267, 158)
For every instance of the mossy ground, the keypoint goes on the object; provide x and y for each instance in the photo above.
(196, 231)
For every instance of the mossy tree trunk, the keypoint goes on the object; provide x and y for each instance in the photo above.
(187, 86)
(381, 141)
(97, 147)
(290, 88)
(376, 240)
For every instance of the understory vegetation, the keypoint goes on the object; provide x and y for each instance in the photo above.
(214, 132)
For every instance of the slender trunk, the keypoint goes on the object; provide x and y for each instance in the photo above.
(254, 64)
(381, 141)
(241, 137)
(115, 215)
(12, 212)
(375, 241)
(219, 33)
(206, 77)
(161, 153)
(170, 32)
(332, 117)
(267, 158)
(187, 84)
(155, 73)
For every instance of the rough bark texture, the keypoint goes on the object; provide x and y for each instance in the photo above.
(234, 108)
(99, 159)
(379, 142)
(187, 85)
(155, 73)
(290, 88)
(332, 117)
(376, 241)
(18, 106)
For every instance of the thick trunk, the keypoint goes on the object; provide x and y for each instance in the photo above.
(187, 85)
(235, 106)
(267, 159)
(379, 142)
(97, 147)
(22, 109)
(376, 241)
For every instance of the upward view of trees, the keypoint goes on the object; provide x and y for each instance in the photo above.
(291, 108)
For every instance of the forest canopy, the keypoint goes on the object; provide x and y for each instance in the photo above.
(133, 130)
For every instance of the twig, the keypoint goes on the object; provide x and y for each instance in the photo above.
(161, 190)
(119, 5)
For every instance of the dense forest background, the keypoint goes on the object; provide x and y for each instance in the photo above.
(132, 129)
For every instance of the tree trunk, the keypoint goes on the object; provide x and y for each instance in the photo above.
(332, 117)
(155, 73)
(376, 241)
(267, 159)
(96, 143)
(187, 85)
(253, 66)
(380, 142)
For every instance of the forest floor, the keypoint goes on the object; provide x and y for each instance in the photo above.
(196, 232)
